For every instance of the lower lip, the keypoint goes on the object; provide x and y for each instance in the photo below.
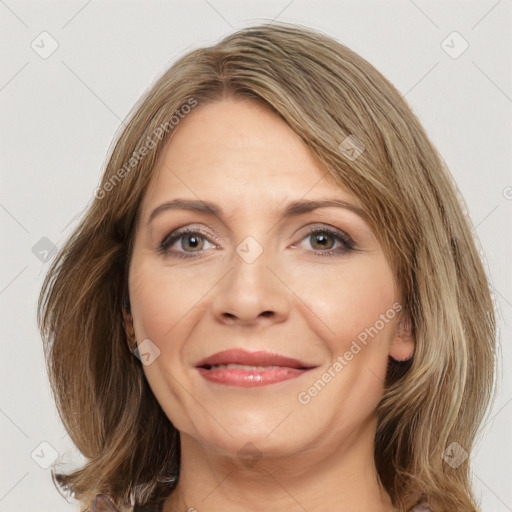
(250, 378)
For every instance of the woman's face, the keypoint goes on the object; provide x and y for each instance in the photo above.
(308, 284)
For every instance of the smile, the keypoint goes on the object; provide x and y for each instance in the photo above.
(236, 367)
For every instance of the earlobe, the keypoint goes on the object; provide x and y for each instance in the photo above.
(401, 347)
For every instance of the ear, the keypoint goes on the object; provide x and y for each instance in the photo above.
(128, 328)
(401, 347)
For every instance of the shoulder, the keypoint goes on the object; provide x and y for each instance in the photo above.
(102, 503)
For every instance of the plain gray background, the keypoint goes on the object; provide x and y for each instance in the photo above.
(61, 111)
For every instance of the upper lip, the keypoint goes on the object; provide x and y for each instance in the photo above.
(259, 358)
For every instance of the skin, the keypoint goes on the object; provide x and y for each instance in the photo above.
(291, 299)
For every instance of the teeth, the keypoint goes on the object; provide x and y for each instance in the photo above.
(243, 366)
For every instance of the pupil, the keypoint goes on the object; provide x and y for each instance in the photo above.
(194, 241)
(322, 239)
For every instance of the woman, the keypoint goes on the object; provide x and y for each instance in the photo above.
(275, 299)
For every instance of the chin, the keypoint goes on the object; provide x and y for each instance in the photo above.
(252, 438)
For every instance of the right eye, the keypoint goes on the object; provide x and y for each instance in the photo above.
(188, 239)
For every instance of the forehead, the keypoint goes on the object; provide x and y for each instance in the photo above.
(237, 150)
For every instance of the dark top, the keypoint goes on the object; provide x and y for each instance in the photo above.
(102, 503)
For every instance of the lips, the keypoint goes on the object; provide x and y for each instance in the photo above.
(242, 357)
(237, 367)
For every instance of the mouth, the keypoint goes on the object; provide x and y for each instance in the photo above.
(236, 367)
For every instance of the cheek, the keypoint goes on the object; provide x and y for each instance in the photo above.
(162, 298)
(358, 304)
(349, 301)
(149, 301)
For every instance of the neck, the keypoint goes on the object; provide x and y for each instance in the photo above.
(321, 478)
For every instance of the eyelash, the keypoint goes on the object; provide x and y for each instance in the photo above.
(173, 237)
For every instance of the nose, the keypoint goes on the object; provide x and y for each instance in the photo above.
(252, 293)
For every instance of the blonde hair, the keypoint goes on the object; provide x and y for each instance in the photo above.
(325, 93)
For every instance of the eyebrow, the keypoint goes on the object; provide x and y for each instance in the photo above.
(293, 209)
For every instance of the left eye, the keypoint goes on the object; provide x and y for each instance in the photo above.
(324, 240)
